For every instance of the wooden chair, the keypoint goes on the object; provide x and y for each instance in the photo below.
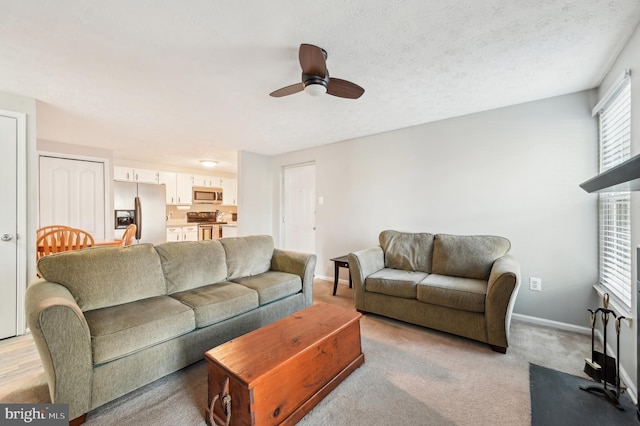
(63, 239)
(129, 233)
(43, 230)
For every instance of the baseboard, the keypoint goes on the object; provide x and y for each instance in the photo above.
(330, 279)
(553, 324)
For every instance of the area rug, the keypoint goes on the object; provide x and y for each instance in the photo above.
(556, 399)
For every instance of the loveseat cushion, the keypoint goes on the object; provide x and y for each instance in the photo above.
(120, 330)
(465, 294)
(106, 276)
(408, 251)
(394, 282)
(191, 264)
(467, 256)
(272, 285)
(217, 302)
(248, 256)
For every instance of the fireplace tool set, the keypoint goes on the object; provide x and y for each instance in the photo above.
(601, 367)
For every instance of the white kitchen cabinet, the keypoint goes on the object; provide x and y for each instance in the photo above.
(128, 174)
(190, 233)
(145, 176)
(204, 181)
(182, 233)
(123, 173)
(174, 233)
(184, 188)
(229, 192)
(169, 180)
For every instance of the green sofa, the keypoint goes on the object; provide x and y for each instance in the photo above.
(109, 320)
(465, 285)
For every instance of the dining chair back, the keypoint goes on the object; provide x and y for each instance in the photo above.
(43, 230)
(129, 233)
(64, 239)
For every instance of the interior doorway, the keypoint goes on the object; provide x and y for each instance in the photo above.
(13, 223)
(299, 219)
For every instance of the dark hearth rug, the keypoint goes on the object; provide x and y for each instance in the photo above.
(556, 399)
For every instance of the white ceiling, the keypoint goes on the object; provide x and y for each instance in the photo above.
(172, 82)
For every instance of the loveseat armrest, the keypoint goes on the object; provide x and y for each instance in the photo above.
(503, 285)
(362, 264)
(62, 336)
(301, 264)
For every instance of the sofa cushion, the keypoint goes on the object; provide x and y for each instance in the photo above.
(120, 330)
(106, 276)
(272, 285)
(248, 256)
(465, 294)
(467, 256)
(191, 264)
(408, 251)
(394, 282)
(217, 302)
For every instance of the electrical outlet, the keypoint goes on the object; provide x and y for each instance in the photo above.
(535, 284)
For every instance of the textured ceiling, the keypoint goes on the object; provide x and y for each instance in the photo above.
(176, 81)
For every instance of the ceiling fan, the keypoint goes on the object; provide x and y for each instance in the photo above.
(315, 77)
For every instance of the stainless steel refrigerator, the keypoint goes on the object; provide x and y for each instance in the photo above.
(143, 204)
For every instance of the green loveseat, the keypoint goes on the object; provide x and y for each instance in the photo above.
(109, 320)
(465, 285)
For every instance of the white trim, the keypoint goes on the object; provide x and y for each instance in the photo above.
(552, 324)
(615, 305)
(613, 90)
(21, 216)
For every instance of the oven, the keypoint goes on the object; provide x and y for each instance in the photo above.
(208, 224)
(209, 231)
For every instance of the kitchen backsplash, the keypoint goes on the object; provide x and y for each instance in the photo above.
(175, 216)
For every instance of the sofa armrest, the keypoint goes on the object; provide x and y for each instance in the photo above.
(362, 264)
(502, 289)
(62, 337)
(301, 264)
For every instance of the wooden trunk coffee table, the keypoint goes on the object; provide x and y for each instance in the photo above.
(278, 373)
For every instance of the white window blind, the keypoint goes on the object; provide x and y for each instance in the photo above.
(614, 118)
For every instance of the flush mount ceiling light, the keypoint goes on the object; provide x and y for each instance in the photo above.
(315, 89)
(208, 163)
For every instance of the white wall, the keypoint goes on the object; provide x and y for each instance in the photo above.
(512, 172)
(255, 194)
(630, 59)
(10, 102)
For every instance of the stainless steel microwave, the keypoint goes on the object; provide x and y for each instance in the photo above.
(205, 195)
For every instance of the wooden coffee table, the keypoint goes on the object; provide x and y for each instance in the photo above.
(278, 373)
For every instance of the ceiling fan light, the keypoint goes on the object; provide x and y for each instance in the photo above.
(208, 163)
(315, 89)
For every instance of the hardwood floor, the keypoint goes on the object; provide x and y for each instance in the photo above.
(20, 361)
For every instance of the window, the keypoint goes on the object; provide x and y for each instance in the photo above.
(614, 119)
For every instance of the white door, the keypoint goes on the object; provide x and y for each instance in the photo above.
(300, 208)
(72, 193)
(8, 227)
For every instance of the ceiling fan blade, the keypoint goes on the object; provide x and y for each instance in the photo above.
(344, 89)
(312, 60)
(289, 90)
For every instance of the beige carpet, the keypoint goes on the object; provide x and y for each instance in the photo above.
(411, 376)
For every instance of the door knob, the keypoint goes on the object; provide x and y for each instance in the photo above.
(6, 237)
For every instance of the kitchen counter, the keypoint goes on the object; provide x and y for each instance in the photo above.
(184, 223)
